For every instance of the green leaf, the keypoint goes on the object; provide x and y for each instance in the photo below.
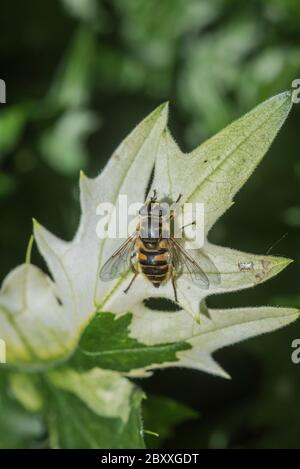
(18, 428)
(7, 184)
(155, 41)
(161, 415)
(72, 85)
(106, 343)
(212, 72)
(98, 409)
(12, 123)
(63, 145)
(82, 9)
(149, 339)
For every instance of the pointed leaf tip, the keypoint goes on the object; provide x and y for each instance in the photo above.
(82, 175)
(164, 107)
(35, 223)
(162, 111)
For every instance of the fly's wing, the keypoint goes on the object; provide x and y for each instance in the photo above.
(185, 263)
(120, 261)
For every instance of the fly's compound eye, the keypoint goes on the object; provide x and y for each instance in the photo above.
(163, 211)
(143, 210)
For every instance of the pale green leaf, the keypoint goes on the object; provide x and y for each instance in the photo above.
(238, 270)
(103, 391)
(216, 170)
(25, 390)
(211, 174)
(149, 339)
(222, 328)
(75, 265)
(97, 409)
(36, 328)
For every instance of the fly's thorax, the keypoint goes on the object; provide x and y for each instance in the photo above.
(154, 222)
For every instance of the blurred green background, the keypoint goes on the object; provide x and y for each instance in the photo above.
(80, 74)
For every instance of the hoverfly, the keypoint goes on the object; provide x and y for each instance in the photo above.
(153, 252)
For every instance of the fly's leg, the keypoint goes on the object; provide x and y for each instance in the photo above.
(131, 282)
(171, 216)
(134, 270)
(189, 224)
(174, 285)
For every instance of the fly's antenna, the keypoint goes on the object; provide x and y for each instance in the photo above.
(178, 199)
(173, 206)
(154, 196)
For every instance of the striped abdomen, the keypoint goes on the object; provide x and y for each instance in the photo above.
(153, 259)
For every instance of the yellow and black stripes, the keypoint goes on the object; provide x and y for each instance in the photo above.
(154, 262)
